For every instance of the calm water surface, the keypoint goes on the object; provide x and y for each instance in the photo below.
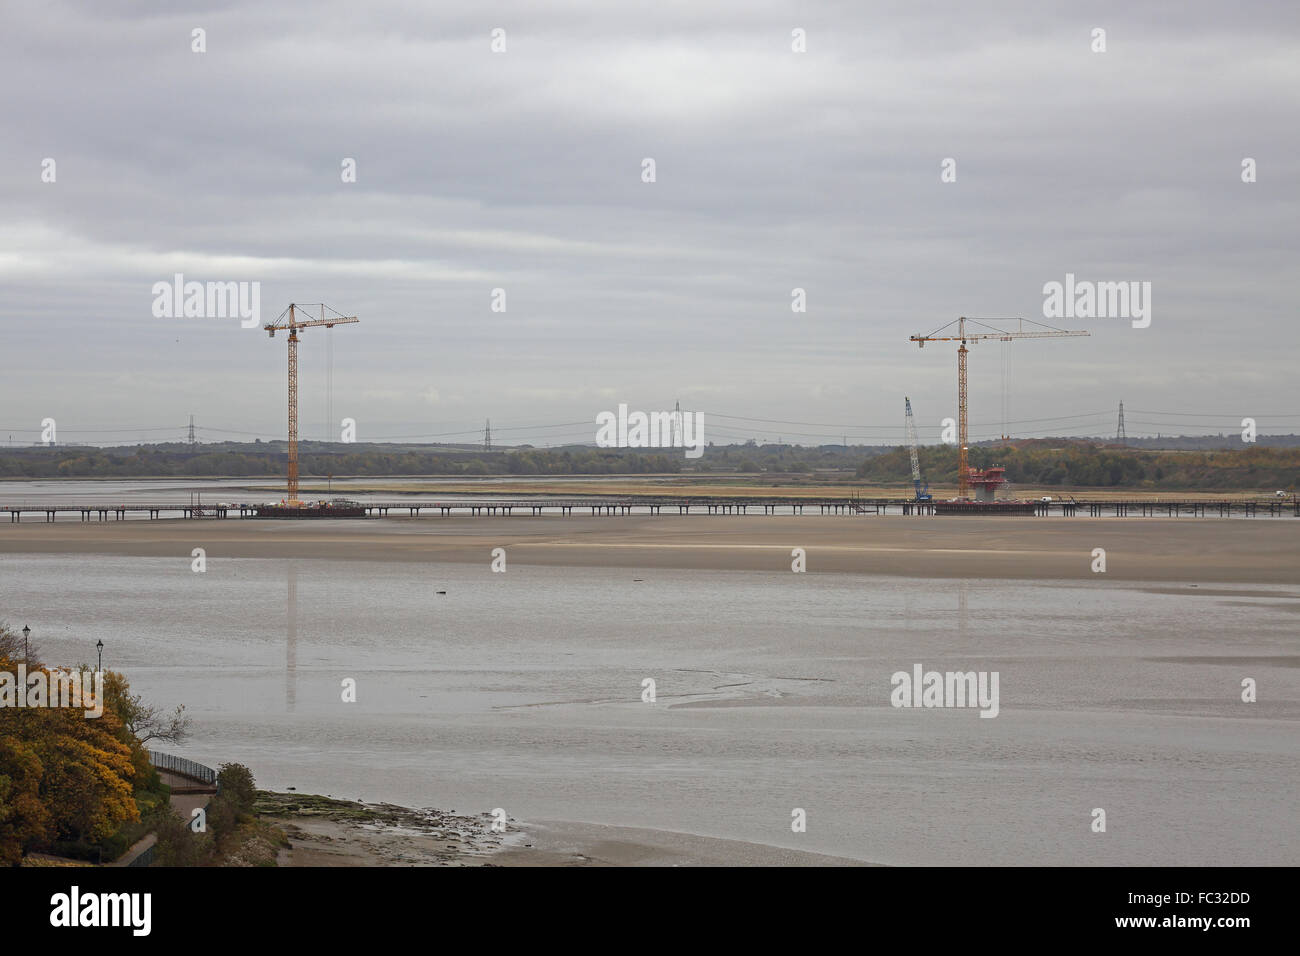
(523, 691)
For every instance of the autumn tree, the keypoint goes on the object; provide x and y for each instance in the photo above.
(88, 771)
(63, 776)
(24, 819)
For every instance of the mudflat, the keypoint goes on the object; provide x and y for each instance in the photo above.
(333, 843)
(1185, 550)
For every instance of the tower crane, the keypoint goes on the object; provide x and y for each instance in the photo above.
(921, 495)
(293, 324)
(1020, 332)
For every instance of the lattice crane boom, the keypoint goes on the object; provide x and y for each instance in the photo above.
(921, 494)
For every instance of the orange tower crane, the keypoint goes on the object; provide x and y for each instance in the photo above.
(289, 320)
(1006, 335)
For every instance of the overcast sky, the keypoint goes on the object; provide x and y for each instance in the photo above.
(522, 170)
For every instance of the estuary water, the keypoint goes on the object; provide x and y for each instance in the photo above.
(524, 691)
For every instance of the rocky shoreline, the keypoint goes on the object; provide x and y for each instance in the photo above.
(325, 831)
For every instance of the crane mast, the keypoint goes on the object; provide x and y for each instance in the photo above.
(292, 324)
(963, 337)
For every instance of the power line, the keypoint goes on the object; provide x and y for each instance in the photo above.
(1083, 424)
(779, 421)
(100, 431)
(1256, 415)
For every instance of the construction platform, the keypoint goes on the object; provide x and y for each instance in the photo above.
(311, 509)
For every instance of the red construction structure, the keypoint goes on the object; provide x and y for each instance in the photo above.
(986, 483)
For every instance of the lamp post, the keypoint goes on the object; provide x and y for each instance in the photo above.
(26, 630)
(99, 645)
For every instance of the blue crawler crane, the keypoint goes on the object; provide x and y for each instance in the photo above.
(922, 494)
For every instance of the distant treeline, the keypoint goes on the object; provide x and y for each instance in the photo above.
(267, 460)
(1044, 463)
(1039, 462)
(1209, 442)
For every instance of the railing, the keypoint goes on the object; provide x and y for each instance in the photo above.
(187, 768)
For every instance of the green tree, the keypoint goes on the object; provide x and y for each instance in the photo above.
(236, 784)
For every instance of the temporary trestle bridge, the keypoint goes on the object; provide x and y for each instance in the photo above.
(606, 505)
